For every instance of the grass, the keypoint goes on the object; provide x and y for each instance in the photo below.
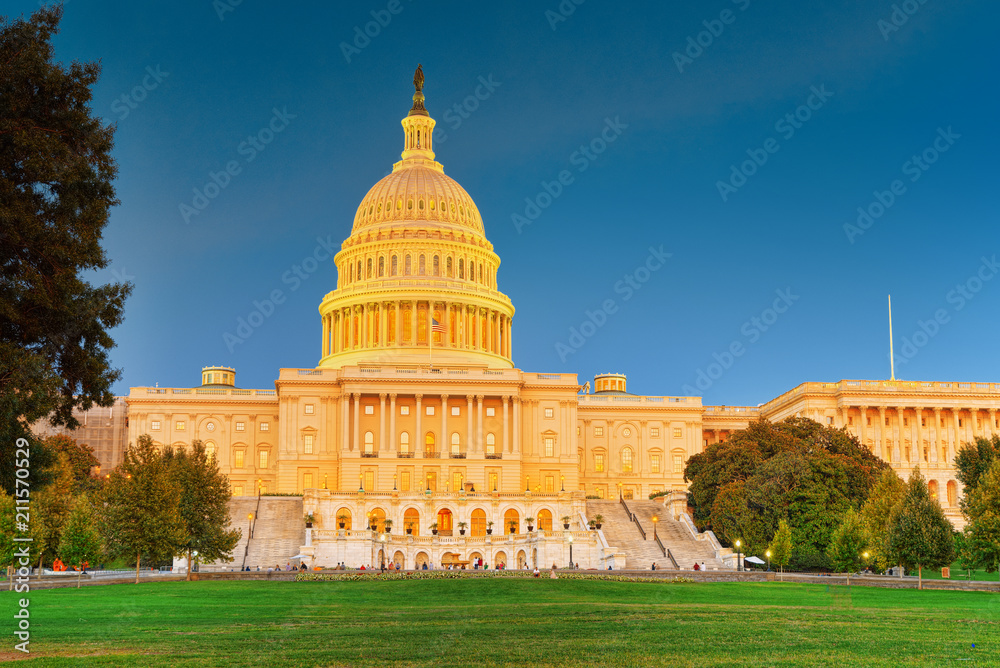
(505, 622)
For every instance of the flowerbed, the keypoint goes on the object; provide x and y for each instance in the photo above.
(368, 576)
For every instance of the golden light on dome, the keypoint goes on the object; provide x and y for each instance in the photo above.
(416, 279)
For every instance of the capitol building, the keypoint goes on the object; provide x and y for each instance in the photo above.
(416, 421)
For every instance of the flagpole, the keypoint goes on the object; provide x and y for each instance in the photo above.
(892, 360)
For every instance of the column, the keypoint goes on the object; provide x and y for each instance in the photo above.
(345, 439)
(413, 323)
(443, 440)
(383, 323)
(517, 425)
(356, 444)
(419, 437)
(399, 323)
(937, 440)
(479, 420)
(326, 335)
(881, 433)
(505, 446)
(992, 427)
(350, 328)
(900, 416)
(843, 416)
(392, 422)
(446, 323)
(476, 329)
(862, 424)
(918, 418)
(381, 421)
(953, 445)
(469, 433)
(364, 325)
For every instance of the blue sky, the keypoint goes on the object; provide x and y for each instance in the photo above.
(200, 78)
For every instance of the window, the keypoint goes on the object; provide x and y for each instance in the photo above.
(180, 425)
(370, 480)
(265, 426)
(370, 409)
(868, 422)
(906, 422)
(404, 481)
(237, 490)
(241, 426)
(494, 480)
(262, 459)
(829, 420)
(436, 266)
(456, 481)
(599, 462)
(456, 410)
(394, 266)
(654, 462)
(456, 443)
(626, 460)
(210, 450)
(677, 432)
(310, 409)
(448, 268)
(404, 442)
(598, 431)
(429, 442)
(307, 481)
(404, 410)
(549, 446)
(887, 422)
(429, 410)
(238, 460)
(655, 432)
(381, 267)
(550, 486)
(600, 492)
(549, 413)
(491, 444)
(307, 444)
(461, 268)
(154, 425)
(422, 266)
(678, 463)
(407, 266)
(369, 443)
(491, 411)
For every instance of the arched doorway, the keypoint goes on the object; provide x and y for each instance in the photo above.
(474, 558)
(447, 558)
(511, 521)
(399, 560)
(420, 560)
(344, 517)
(500, 559)
(932, 487)
(379, 559)
(444, 522)
(952, 493)
(376, 519)
(522, 560)
(478, 522)
(411, 522)
(544, 520)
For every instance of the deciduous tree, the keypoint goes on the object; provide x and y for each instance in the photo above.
(848, 544)
(80, 541)
(982, 510)
(781, 546)
(920, 534)
(876, 517)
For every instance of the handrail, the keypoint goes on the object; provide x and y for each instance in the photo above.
(670, 555)
(635, 519)
(656, 537)
(632, 517)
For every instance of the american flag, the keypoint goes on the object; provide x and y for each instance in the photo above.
(437, 326)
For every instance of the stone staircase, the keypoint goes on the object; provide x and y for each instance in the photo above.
(622, 534)
(279, 531)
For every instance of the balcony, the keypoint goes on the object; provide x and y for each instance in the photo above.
(457, 455)
(432, 455)
(494, 455)
(404, 455)
(369, 455)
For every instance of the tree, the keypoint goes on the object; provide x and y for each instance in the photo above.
(8, 532)
(81, 458)
(80, 541)
(876, 517)
(50, 509)
(974, 459)
(982, 510)
(919, 532)
(848, 544)
(204, 504)
(56, 175)
(781, 546)
(138, 508)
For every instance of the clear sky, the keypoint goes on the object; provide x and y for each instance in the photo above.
(837, 105)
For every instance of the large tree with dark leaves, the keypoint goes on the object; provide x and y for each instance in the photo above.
(56, 190)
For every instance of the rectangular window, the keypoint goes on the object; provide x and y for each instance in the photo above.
(829, 420)
(906, 422)
(677, 432)
(429, 410)
(654, 461)
(307, 481)
(494, 479)
(678, 464)
(923, 422)
(600, 492)
(887, 422)
(432, 481)
(550, 484)
(549, 413)
(655, 432)
(404, 410)
(491, 411)
(237, 490)
(868, 422)
(154, 425)
(959, 422)
(456, 481)
(404, 481)
(238, 459)
(456, 410)
(180, 425)
(549, 446)
(241, 426)
(310, 409)
(599, 462)
(263, 459)
(369, 409)
(308, 444)
(370, 481)
(265, 426)
(598, 431)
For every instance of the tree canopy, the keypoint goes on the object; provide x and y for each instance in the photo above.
(877, 516)
(920, 535)
(56, 190)
(982, 510)
(973, 460)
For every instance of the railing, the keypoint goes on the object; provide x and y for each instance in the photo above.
(432, 455)
(456, 455)
(404, 455)
(670, 556)
(632, 517)
(369, 455)
(495, 455)
(659, 544)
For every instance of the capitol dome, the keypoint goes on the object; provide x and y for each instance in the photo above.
(416, 279)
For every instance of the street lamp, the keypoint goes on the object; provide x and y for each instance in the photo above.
(655, 520)
(570, 539)
(739, 564)
(865, 555)
(619, 491)
(383, 552)
(562, 483)
(768, 555)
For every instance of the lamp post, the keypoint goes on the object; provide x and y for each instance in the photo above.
(739, 561)
(562, 483)
(249, 536)
(382, 565)
(655, 520)
(194, 560)
(570, 539)
(619, 491)
(865, 555)
(768, 555)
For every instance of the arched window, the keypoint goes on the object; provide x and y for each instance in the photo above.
(461, 268)
(422, 266)
(359, 274)
(429, 442)
(376, 520)
(511, 521)
(932, 487)
(395, 266)
(491, 444)
(478, 522)
(444, 519)
(472, 270)
(368, 274)
(407, 266)
(952, 493)
(350, 274)
(482, 279)
(344, 519)
(448, 268)
(436, 266)
(369, 443)
(626, 460)
(210, 450)
(411, 521)
(456, 442)
(381, 267)
(544, 520)
(404, 442)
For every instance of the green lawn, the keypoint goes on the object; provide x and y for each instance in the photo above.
(505, 622)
